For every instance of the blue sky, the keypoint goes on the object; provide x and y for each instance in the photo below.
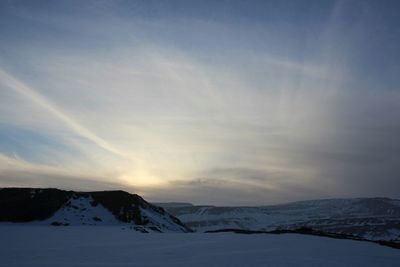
(215, 102)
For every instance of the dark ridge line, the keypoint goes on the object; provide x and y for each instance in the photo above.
(309, 231)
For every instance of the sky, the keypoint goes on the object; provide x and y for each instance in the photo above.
(208, 102)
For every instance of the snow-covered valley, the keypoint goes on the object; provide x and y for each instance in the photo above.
(368, 218)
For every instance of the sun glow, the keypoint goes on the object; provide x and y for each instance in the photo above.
(142, 178)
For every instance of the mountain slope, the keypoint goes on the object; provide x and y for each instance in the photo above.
(64, 208)
(370, 218)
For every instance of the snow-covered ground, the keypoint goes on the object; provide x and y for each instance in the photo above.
(112, 246)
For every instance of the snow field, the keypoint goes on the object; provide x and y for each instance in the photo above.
(112, 246)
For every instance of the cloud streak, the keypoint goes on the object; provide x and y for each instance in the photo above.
(32, 95)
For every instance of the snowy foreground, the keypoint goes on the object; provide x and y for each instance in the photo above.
(113, 246)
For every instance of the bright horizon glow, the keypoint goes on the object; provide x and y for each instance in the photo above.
(218, 103)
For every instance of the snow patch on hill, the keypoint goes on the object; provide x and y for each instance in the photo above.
(82, 210)
(157, 221)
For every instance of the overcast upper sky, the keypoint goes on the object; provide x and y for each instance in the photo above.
(209, 102)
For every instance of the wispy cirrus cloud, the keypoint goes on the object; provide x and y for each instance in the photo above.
(14, 84)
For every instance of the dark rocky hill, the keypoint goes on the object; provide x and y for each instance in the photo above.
(59, 207)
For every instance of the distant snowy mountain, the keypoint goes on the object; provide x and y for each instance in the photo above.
(68, 208)
(369, 218)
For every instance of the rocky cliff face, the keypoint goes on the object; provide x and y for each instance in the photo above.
(69, 208)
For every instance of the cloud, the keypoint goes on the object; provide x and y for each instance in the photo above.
(20, 178)
(193, 108)
(28, 92)
(18, 172)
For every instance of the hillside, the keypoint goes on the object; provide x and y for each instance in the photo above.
(68, 208)
(369, 218)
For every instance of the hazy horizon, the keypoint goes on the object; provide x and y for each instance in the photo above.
(206, 102)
